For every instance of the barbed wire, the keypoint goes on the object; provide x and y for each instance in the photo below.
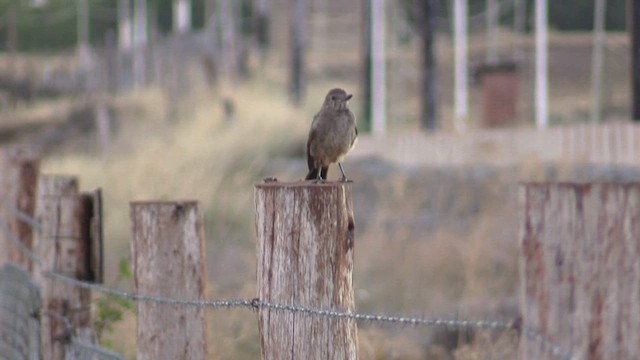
(96, 349)
(256, 304)
(25, 250)
(231, 303)
(21, 215)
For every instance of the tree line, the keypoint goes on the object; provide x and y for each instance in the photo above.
(53, 25)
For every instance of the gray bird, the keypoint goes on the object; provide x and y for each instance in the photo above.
(333, 134)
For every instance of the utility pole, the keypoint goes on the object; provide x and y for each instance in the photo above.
(227, 16)
(298, 45)
(426, 13)
(365, 85)
(378, 67)
(492, 31)
(460, 64)
(519, 18)
(597, 60)
(124, 25)
(262, 20)
(181, 16)
(140, 41)
(82, 31)
(542, 74)
(634, 27)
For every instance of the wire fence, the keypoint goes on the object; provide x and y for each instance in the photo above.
(256, 304)
(85, 350)
(19, 300)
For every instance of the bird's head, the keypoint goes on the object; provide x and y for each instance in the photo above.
(337, 99)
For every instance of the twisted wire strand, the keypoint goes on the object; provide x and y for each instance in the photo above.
(25, 250)
(96, 349)
(21, 215)
(256, 304)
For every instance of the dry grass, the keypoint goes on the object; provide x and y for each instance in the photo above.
(201, 157)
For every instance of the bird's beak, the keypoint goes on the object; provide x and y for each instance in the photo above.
(348, 97)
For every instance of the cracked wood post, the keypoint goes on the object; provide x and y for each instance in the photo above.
(580, 269)
(19, 167)
(305, 236)
(169, 261)
(63, 244)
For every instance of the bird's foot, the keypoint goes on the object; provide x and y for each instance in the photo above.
(345, 180)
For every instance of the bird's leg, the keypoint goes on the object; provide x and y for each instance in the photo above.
(344, 177)
(319, 177)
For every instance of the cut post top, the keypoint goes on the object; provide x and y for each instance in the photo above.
(302, 184)
(582, 186)
(186, 202)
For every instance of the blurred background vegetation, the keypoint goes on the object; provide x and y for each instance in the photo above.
(206, 113)
(52, 26)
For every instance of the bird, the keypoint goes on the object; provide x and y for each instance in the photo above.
(332, 135)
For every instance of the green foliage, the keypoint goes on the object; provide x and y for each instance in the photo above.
(53, 26)
(124, 270)
(110, 308)
(572, 15)
(563, 15)
(578, 15)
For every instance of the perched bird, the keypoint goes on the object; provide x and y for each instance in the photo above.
(333, 134)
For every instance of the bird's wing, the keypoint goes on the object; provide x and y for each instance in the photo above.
(312, 136)
(315, 120)
(355, 130)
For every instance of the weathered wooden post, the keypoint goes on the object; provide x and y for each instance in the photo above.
(19, 167)
(52, 185)
(169, 261)
(63, 244)
(305, 235)
(580, 269)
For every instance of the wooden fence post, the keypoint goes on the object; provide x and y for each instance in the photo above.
(63, 244)
(580, 269)
(19, 167)
(51, 185)
(169, 261)
(305, 235)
